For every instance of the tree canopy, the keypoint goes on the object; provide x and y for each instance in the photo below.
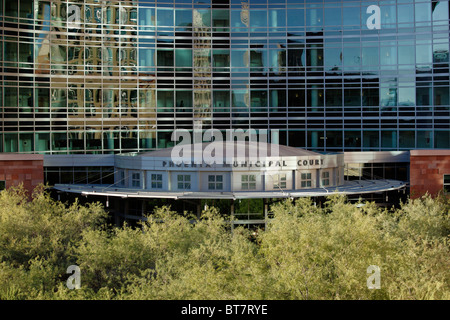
(305, 252)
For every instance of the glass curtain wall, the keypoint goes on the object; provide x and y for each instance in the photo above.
(119, 76)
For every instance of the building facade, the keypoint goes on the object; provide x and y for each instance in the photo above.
(94, 78)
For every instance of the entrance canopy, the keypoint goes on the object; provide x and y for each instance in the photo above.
(348, 188)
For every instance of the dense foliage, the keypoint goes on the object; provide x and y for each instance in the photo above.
(306, 252)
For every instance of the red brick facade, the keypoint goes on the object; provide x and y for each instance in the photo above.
(427, 169)
(22, 168)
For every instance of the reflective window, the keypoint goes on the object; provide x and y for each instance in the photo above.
(183, 58)
(424, 139)
(441, 96)
(277, 18)
(240, 100)
(59, 141)
(423, 13)
(221, 60)
(11, 51)
(407, 55)
(215, 182)
(314, 17)
(201, 18)
(184, 181)
(135, 179)
(184, 101)
(352, 58)
(279, 181)
(442, 139)
(406, 96)
(240, 58)
(156, 181)
(248, 182)
(389, 139)
(332, 17)
(11, 8)
(351, 16)
(259, 100)
(146, 57)
(258, 59)
(164, 17)
(369, 58)
(333, 97)
(424, 54)
(388, 16)
(277, 100)
(407, 139)
(239, 19)
(333, 59)
(423, 96)
(388, 96)
(165, 101)
(258, 18)
(446, 183)
(221, 101)
(405, 15)
(220, 20)
(370, 97)
(183, 18)
(295, 18)
(296, 57)
(388, 56)
(371, 140)
(146, 17)
(352, 139)
(325, 178)
(306, 180)
(334, 139)
(165, 58)
(11, 142)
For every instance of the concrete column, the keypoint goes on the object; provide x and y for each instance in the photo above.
(274, 137)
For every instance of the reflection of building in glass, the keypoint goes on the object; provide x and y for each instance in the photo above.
(103, 77)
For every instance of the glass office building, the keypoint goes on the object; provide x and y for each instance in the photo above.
(104, 77)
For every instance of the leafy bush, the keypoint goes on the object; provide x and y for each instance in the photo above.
(306, 252)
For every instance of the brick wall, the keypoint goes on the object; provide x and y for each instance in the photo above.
(26, 169)
(427, 169)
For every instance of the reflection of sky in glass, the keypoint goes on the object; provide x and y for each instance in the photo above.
(240, 98)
